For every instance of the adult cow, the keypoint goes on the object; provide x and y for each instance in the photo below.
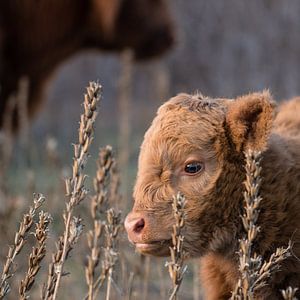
(37, 35)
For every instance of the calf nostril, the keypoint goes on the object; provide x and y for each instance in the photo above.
(139, 225)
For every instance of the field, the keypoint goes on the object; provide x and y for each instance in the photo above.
(220, 51)
(133, 275)
(76, 232)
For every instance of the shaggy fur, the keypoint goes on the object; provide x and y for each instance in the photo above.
(216, 132)
(37, 36)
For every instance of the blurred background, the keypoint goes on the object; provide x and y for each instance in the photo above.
(222, 49)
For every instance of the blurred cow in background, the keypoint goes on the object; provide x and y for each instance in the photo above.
(38, 35)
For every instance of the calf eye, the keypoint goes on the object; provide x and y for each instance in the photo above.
(193, 167)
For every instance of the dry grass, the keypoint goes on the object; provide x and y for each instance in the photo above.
(19, 242)
(112, 228)
(111, 225)
(75, 192)
(254, 272)
(37, 254)
(289, 293)
(112, 271)
(98, 203)
(176, 265)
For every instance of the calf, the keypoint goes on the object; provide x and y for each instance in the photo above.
(196, 145)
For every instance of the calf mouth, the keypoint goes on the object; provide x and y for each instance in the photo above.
(155, 248)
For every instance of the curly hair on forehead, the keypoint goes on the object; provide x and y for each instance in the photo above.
(196, 102)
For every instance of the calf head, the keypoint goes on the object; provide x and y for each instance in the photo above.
(196, 145)
(142, 25)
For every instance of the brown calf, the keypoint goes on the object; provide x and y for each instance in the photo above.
(196, 145)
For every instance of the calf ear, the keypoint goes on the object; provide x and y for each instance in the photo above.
(249, 119)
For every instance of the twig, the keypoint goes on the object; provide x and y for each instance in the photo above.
(289, 293)
(254, 271)
(76, 192)
(114, 195)
(101, 182)
(98, 202)
(37, 254)
(112, 228)
(19, 241)
(178, 255)
(271, 266)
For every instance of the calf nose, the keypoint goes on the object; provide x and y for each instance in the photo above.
(134, 225)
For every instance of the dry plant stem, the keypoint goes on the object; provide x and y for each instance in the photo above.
(75, 230)
(75, 191)
(289, 293)
(37, 254)
(99, 283)
(105, 173)
(269, 267)
(109, 279)
(19, 241)
(254, 271)
(176, 265)
(115, 197)
(93, 259)
(98, 202)
(112, 228)
(249, 218)
(102, 181)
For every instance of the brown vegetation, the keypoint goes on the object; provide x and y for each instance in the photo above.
(105, 220)
(109, 270)
(37, 37)
(196, 145)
